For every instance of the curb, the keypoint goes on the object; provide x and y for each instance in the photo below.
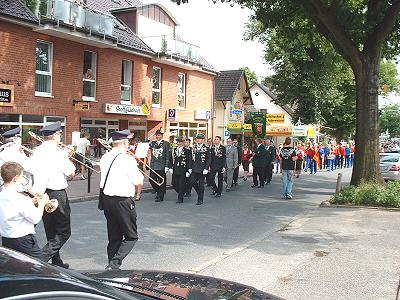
(96, 197)
(324, 205)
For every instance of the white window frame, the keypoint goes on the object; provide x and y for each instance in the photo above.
(45, 94)
(156, 90)
(86, 98)
(123, 101)
(184, 91)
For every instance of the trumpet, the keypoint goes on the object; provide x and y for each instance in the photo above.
(108, 147)
(50, 205)
(71, 153)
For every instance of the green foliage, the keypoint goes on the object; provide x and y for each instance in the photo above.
(32, 4)
(250, 75)
(390, 119)
(388, 76)
(43, 7)
(370, 194)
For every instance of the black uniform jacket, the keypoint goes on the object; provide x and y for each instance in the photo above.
(183, 161)
(259, 157)
(160, 155)
(218, 157)
(201, 158)
(271, 153)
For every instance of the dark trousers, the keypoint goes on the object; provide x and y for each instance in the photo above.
(178, 183)
(236, 174)
(57, 226)
(26, 244)
(121, 228)
(268, 172)
(209, 180)
(217, 188)
(197, 180)
(188, 186)
(160, 190)
(258, 175)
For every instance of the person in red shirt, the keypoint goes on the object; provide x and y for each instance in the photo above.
(342, 154)
(246, 155)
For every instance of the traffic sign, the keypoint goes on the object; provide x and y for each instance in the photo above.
(172, 114)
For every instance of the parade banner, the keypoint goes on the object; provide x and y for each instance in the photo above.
(258, 122)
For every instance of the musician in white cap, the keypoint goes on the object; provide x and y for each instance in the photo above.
(119, 176)
(51, 168)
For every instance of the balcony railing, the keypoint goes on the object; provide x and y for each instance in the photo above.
(170, 45)
(80, 16)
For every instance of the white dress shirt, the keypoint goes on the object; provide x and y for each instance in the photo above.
(13, 153)
(124, 174)
(18, 214)
(51, 167)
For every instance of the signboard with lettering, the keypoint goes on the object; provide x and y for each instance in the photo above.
(234, 125)
(172, 114)
(202, 114)
(247, 126)
(82, 106)
(124, 109)
(299, 130)
(278, 130)
(6, 95)
(275, 118)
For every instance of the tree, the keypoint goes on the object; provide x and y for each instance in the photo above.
(250, 75)
(388, 78)
(361, 32)
(390, 120)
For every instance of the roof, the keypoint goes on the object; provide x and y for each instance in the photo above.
(206, 65)
(107, 5)
(226, 84)
(16, 9)
(266, 90)
(127, 38)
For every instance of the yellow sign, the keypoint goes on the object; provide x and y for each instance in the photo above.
(311, 133)
(275, 118)
(247, 127)
(234, 125)
(278, 130)
(82, 106)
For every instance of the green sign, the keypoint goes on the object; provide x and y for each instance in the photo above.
(258, 124)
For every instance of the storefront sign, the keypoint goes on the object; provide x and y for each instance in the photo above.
(299, 130)
(202, 114)
(234, 125)
(6, 95)
(258, 121)
(236, 110)
(246, 126)
(275, 118)
(127, 109)
(82, 106)
(227, 133)
(172, 114)
(279, 130)
(311, 133)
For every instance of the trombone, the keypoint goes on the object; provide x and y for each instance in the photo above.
(71, 153)
(108, 147)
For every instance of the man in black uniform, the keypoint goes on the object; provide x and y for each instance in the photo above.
(269, 165)
(201, 164)
(181, 167)
(236, 172)
(188, 184)
(217, 166)
(258, 160)
(209, 180)
(159, 162)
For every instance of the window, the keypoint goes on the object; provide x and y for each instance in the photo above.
(89, 76)
(126, 81)
(44, 59)
(181, 90)
(156, 97)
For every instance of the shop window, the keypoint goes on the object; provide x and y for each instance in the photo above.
(126, 81)
(156, 96)
(181, 90)
(87, 122)
(9, 118)
(89, 76)
(32, 119)
(100, 122)
(54, 119)
(113, 123)
(44, 57)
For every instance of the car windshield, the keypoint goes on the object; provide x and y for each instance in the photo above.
(390, 159)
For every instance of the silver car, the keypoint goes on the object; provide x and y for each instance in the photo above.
(390, 166)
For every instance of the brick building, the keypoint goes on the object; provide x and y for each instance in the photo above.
(85, 65)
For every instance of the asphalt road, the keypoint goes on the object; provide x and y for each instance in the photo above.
(242, 237)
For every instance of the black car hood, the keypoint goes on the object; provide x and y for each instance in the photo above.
(172, 285)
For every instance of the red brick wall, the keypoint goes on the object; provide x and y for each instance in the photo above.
(18, 61)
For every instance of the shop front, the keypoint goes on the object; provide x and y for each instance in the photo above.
(29, 123)
(187, 129)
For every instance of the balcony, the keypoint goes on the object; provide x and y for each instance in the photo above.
(175, 48)
(79, 18)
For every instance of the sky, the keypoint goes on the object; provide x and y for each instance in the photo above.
(218, 30)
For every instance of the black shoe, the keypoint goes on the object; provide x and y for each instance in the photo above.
(188, 195)
(245, 179)
(213, 193)
(157, 197)
(217, 195)
(269, 181)
(228, 190)
(109, 268)
(179, 201)
(254, 186)
(235, 183)
(199, 202)
(159, 200)
(261, 186)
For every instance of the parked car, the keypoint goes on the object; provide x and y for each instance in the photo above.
(390, 166)
(23, 277)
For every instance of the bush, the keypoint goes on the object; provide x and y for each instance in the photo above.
(370, 194)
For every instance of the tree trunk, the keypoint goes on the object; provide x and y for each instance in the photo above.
(366, 164)
(338, 135)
